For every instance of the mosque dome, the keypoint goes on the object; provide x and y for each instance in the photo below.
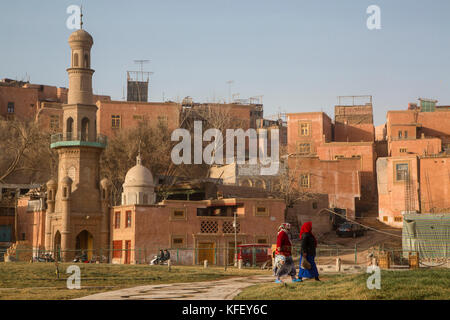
(138, 187)
(52, 183)
(138, 176)
(66, 180)
(81, 36)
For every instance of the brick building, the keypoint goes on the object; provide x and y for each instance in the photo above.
(201, 230)
(354, 123)
(415, 175)
(340, 179)
(116, 115)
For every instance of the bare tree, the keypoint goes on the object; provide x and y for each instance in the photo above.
(155, 146)
(213, 116)
(25, 154)
(288, 187)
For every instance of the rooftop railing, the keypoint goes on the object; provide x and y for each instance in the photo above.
(77, 138)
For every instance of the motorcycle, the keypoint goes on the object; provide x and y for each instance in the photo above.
(47, 257)
(158, 261)
(81, 258)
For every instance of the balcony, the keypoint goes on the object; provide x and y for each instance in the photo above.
(70, 139)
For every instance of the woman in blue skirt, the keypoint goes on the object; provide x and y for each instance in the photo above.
(308, 252)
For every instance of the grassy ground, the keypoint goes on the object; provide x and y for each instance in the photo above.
(38, 280)
(395, 285)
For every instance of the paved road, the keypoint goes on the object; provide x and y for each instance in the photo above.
(211, 290)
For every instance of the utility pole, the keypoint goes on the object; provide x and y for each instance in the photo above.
(235, 240)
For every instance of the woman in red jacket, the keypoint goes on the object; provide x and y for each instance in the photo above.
(283, 259)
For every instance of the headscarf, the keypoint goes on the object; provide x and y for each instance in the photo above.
(307, 228)
(284, 227)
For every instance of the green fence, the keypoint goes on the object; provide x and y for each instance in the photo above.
(219, 256)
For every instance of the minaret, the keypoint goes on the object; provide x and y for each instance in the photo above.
(77, 223)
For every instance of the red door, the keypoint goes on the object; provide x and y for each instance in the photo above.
(127, 251)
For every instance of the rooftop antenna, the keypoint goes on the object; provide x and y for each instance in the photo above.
(141, 64)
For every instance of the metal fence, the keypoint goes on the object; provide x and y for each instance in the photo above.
(221, 256)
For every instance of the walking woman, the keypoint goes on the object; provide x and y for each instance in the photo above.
(308, 268)
(284, 264)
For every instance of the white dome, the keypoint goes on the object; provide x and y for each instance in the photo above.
(138, 176)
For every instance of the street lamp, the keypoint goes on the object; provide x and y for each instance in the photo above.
(235, 240)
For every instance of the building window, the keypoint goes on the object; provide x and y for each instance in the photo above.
(228, 227)
(115, 121)
(117, 220)
(261, 211)
(117, 249)
(385, 218)
(54, 122)
(403, 150)
(401, 171)
(338, 156)
(399, 134)
(262, 240)
(314, 205)
(162, 120)
(398, 219)
(406, 134)
(304, 148)
(209, 226)
(178, 214)
(304, 129)
(128, 213)
(10, 107)
(177, 242)
(23, 236)
(86, 61)
(304, 180)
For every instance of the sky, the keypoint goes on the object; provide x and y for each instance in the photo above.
(300, 55)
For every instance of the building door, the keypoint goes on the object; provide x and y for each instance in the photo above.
(57, 246)
(231, 251)
(84, 242)
(5, 233)
(127, 251)
(205, 251)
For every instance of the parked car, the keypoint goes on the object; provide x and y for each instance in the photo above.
(348, 229)
(254, 254)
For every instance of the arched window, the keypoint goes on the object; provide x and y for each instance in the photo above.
(69, 128)
(75, 59)
(85, 129)
(86, 60)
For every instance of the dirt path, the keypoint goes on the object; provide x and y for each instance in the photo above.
(212, 290)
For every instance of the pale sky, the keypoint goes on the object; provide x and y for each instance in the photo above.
(299, 54)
